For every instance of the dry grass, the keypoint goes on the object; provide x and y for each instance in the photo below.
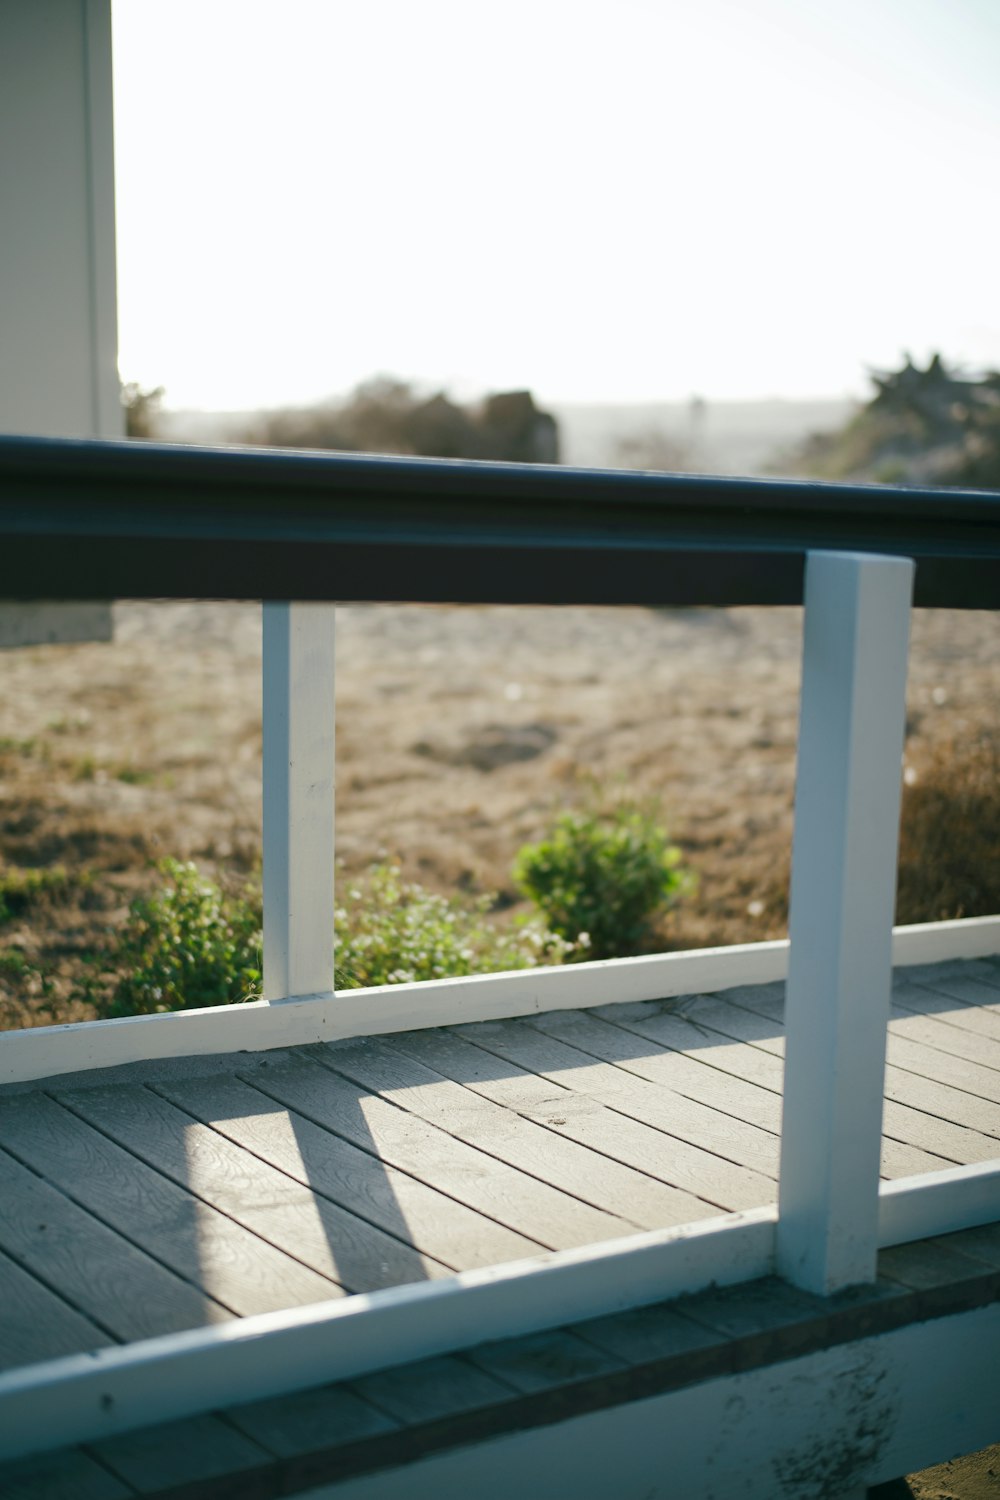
(461, 733)
(949, 852)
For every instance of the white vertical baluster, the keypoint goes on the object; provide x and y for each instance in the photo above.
(299, 723)
(843, 892)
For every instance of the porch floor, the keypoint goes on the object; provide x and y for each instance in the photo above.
(168, 1196)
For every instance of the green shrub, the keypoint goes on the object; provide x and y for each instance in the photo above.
(186, 946)
(390, 931)
(601, 876)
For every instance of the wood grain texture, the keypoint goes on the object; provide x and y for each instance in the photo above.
(37, 1324)
(668, 1110)
(957, 1000)
(235, 1268)
(921, 1039)
(336, 1169)
(659, 1062)
(520, 1143)
(754, 1043)
(906, 1130)
(108, 1278)
(695, 1023)
(912, 1074)
(943, 1100)
(343, 1249)
(598, 1109)
(930, 1062)
(956, 1041)
(420, 1148)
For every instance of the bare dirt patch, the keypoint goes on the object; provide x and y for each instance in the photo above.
(460, 733)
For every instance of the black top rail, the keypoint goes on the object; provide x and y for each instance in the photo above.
(98, 520)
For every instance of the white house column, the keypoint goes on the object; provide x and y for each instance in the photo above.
(58, 314)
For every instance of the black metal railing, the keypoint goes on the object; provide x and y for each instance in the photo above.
(88, 520)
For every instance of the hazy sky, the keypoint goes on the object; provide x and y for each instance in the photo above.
(603, 200)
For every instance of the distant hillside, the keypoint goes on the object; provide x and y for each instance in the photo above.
(723, 437)
(380, 416)
(712, 437)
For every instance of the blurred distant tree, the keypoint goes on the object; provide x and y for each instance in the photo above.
(142, 410)
(931, 426)
(385, 415)
(980, 462)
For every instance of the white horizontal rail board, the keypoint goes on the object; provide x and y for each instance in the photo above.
(89, 1396)
(917, 1208)
(47, 1051)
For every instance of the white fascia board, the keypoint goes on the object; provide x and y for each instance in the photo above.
(933, 1203)
(87, 1397)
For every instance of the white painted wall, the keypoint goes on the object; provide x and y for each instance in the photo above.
(824, 1427)
(58, 316)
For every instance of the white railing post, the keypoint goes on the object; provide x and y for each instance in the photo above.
(299, 724)
(844, 857)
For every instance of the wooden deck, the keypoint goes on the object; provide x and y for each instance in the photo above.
(183, 1194)
(362, 1437)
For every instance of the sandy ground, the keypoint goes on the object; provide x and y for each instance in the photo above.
(460, 733)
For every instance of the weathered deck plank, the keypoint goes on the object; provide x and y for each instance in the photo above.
(976, 1008)
(599, 1111)
(734, 1039)
(334, 1168)
(692, 1074)
(911, 1122)
(936, 1141)
(415, 1146)
(669, 1111)
(606, 1185)
(194, 1195)
(106, 1277)
(38, 1324)
(239, 1272)
(345, 1250)
(948, 1100)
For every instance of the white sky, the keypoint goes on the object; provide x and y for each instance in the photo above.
(604, 200)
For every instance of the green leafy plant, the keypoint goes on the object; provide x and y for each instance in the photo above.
(186, 946)
(189, 945)
(603, 874)
(391, 931)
